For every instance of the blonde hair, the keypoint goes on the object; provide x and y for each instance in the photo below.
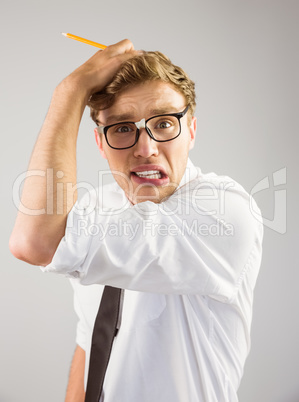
(149, 66)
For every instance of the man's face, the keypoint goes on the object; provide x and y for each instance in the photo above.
(131, 167)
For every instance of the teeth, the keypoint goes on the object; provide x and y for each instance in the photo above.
(149, 174)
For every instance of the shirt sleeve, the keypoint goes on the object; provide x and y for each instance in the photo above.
(203, 240)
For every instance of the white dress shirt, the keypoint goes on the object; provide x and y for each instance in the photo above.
(188, 266)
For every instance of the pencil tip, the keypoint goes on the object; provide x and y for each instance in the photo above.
(63, 33)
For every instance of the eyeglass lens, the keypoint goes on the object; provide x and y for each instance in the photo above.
(162, 128)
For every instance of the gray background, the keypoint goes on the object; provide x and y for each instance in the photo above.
(243, 56)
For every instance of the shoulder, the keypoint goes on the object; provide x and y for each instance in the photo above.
(212, 186)
(196, 181)
(218, 182)
(93, 206)
(220, 199)
(104, 198)
(107, 194)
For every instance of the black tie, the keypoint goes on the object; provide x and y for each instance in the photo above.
(104, 331)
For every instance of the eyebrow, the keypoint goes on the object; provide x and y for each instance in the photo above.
(117, 118)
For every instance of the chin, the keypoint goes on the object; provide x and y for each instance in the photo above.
(154, 194)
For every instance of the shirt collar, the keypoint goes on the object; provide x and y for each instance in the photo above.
(191, 172)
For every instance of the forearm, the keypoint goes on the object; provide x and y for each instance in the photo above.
(48, 189)
(75, 389)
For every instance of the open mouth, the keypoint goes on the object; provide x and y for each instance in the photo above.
(154, 174)
(149, 174)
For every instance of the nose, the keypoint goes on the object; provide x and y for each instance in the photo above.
(145, 146)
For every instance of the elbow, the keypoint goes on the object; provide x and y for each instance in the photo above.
(30, 251)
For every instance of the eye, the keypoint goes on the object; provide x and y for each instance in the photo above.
(163, 124)
(124, 129)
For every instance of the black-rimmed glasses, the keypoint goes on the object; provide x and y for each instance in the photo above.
(161, 128)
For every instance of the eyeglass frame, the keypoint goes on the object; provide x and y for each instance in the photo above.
(142, 124)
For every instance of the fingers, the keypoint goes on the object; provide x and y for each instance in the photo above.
(116, 53)
(124, 46)
(99, 70)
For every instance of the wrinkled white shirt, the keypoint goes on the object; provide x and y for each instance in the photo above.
(188, 266)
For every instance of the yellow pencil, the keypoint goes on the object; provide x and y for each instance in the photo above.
(88, 42)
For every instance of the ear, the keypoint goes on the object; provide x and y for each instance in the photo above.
(192, 129)
(99, 143)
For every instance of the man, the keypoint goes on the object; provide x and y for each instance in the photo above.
(183, 245)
